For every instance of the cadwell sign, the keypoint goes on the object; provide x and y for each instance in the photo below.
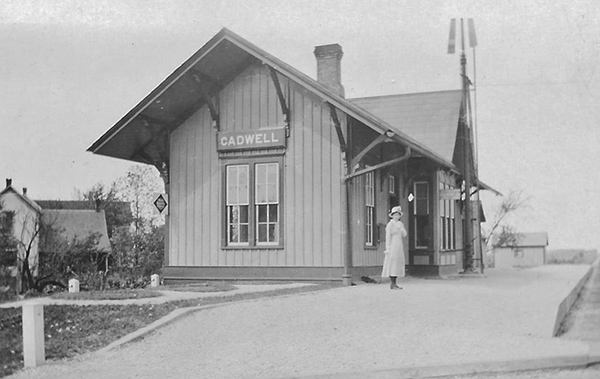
(251, 139)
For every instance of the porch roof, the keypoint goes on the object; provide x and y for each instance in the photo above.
(429, 117)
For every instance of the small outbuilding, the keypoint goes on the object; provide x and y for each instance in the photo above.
(271, 174)
(529, 250)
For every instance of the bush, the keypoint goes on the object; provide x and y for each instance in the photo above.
(125, 279)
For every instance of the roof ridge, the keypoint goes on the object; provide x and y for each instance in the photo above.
(403, 94)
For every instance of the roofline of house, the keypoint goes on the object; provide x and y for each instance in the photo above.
(27, 200)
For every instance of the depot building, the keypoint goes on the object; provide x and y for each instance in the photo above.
(271, 174)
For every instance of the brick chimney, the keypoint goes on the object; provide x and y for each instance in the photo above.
(8, 182)
(24, 191)
(329, 67)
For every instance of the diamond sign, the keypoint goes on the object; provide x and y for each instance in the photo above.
(160, 203)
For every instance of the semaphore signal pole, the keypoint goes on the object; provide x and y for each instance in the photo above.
(465, 130)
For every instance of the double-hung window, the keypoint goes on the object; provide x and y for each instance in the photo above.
(448, 221)
(253, 206)
(370, 208)
(421, 215)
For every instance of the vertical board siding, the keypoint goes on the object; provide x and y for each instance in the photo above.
(312, 178)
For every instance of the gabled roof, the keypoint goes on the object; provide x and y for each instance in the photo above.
(123, 206)
(32, 204)
(430, 117)
(529, 240)
(219, 61)
(78, 224)
(532, 239)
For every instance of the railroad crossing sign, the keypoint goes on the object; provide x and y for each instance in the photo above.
(161, 203)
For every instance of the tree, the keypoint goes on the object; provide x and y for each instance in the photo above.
(138, 187)
(500, 230)
(47, 257)
(137, 241)
(117, 211)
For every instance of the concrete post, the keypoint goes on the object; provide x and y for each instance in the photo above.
(154, 280)
(34, 352)
(73, 285)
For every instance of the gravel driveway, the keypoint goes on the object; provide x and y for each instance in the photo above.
(505, 316)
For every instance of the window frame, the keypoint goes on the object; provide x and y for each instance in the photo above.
(369, 185)
(253, 212)
(447, 221)
(415, 214)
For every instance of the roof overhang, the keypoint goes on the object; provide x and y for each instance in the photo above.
(210, 69)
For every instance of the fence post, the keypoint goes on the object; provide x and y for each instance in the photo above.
(34, 351)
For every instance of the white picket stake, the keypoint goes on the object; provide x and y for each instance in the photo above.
(34, 351)
(154, 280)
(73, 285)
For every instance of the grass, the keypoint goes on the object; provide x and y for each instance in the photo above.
(199, 287)
(71, 330)
(107, 295)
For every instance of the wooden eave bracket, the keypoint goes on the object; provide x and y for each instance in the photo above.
(356, 160)
(284, 107)
(381, 165)
(201, 78)
(160, 138)
(338, 128)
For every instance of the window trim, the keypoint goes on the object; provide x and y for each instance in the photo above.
(251, 162)
(370, 209)
(416, 198)
(392, 185)
(447, 221)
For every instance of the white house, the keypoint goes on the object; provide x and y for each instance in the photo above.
(25, 221)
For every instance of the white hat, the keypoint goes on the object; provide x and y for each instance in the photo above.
(397, 209)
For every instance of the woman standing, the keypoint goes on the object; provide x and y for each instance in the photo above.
(393, 265)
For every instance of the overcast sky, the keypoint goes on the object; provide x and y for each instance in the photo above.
(69, 70)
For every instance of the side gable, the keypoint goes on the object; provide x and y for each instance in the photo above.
(9, 191)
(78, 224)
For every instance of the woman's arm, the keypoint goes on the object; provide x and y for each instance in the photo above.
(388, 236)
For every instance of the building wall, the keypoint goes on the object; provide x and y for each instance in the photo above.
(519, 256)
(312, 192)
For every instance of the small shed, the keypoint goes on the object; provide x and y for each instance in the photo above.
(528, 251)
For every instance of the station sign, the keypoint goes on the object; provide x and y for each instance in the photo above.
(450, 194)
(251, 139)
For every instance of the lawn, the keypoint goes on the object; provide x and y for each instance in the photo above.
(74, 329)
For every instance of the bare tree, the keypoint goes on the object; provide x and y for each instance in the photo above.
(500, 230)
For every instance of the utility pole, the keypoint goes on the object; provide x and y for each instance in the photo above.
(465, 138)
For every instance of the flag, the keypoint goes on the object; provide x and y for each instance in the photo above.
(452, 37)
(472, 36)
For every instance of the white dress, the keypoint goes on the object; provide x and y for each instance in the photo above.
(394, 262)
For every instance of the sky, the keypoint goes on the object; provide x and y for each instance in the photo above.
(69, 70)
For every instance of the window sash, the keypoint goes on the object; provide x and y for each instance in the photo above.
(370, 208)
(252, 204)
(447, 221)
(267, 203)
(237, 204)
